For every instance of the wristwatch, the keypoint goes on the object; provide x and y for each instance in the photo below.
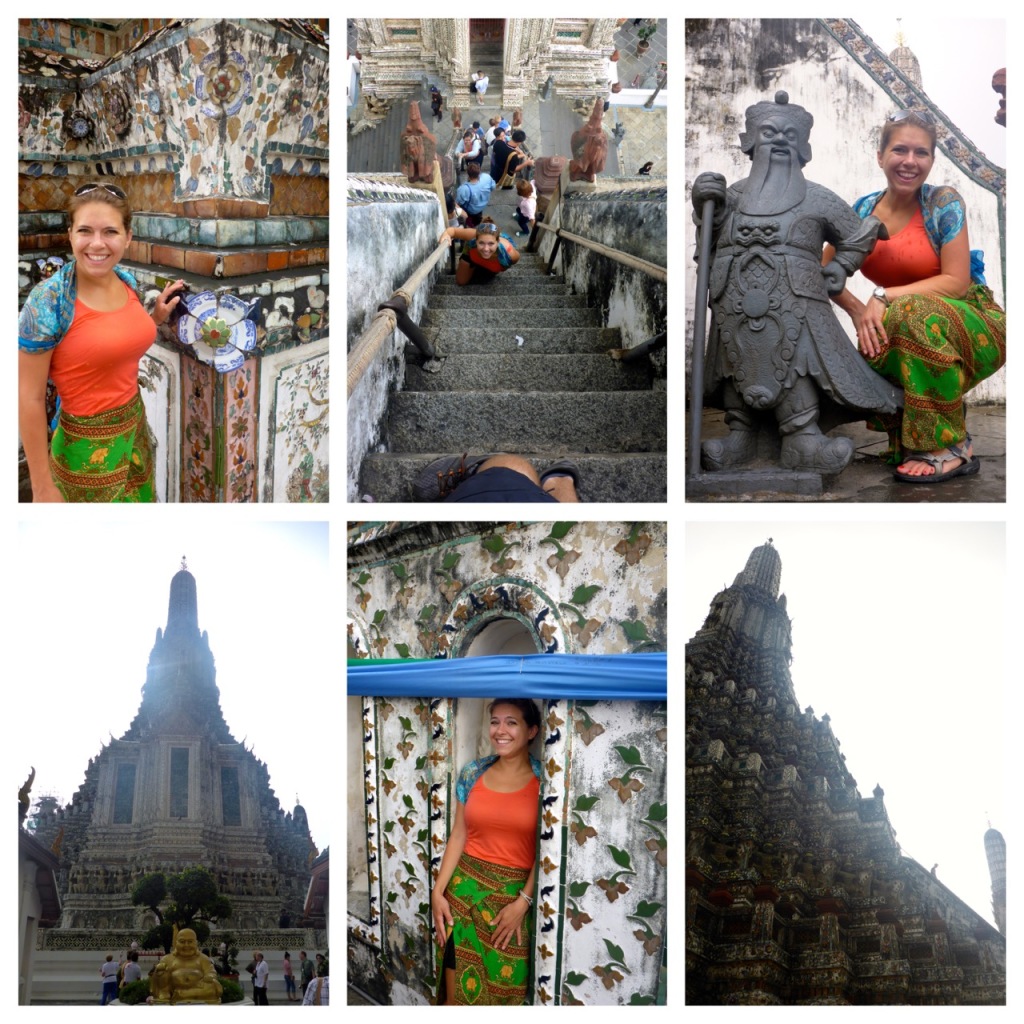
(879, 293)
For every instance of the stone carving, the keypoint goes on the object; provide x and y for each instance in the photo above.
(776, 353)
(418, 147)
(589, 147)
(185, 975)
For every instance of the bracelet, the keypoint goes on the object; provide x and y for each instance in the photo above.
(529, 899)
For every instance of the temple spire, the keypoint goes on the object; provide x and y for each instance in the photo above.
(182, 608)
(763, 570)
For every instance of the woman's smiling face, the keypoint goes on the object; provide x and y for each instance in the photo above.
(486, 245)
(907, 159)
(98, 238)
(509, 732)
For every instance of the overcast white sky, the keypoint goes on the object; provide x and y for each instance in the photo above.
(89, 601)
(898, 634)
(958, 57)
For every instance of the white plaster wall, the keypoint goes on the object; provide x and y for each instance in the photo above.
(386, 243)
(160, 380)
(283, 410)
(849, 109)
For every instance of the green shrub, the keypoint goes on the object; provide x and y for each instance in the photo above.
(232, 993)
(134, 992)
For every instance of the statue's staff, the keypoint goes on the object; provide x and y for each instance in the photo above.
(700, 313)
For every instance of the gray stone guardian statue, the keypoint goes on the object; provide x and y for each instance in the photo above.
(776, 353)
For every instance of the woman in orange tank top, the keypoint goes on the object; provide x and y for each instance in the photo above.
(931, 324)
(483, 893)
(85, 329)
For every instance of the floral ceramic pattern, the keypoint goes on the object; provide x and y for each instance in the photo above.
(222, 88)
(240, 408)
(216, 328)
(198, 483)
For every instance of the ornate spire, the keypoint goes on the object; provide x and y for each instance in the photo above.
(904, 58)
(763, 570)
(182, 609)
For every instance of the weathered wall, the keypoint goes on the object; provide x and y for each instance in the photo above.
(635, 222)
(733, 64)
(392, 228)
(454, 590)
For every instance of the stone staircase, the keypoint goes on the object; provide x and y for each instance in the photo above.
(557, 395)
(487, 57)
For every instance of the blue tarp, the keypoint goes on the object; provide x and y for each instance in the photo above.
(541, 676)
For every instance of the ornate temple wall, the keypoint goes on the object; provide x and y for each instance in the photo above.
(218, 132)
(829, 67)
(456, 590)
(397, 52)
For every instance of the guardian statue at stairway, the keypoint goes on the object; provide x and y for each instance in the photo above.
(777, 356)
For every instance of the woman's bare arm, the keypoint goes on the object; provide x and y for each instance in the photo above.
(33, 373)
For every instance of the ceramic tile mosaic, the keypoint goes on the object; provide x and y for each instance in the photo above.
(199, 457)
(299, 196)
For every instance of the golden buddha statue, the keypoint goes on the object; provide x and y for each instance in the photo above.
(185, 975)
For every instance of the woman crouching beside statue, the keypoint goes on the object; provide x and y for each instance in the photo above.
(185, 975)
(931, 325)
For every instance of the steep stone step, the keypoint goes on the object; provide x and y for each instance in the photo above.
(506, 284)
(603, 478)
(460, 340)
(521, 371)
(555, 422)
(444, 302)
(515, 315)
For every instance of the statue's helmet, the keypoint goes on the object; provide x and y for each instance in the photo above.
(800, 118)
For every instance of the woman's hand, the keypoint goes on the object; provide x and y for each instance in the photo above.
(165, 302)
(867, 319)
(508, 922)
(446, 238)
(47, 491)
(442, 914)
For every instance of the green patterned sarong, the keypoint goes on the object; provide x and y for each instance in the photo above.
(485, 976)
(104, 458)
(938, 350)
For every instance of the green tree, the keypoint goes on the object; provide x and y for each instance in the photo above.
(194, 903)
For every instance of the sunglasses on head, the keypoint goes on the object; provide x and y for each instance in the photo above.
(84, 190)
(487, 229)
(911, 115)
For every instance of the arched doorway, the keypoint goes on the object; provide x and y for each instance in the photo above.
(506, 635)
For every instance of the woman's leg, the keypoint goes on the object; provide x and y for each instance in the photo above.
(463, 272)
(938, 350)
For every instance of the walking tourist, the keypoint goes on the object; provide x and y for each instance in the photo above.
(259, 980)
(474, 194)
(305, 970)
(289, 978)
(108, 972)
(319, 990)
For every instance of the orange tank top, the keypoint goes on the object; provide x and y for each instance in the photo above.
(905, 258)
(96, 365)
(501, 828)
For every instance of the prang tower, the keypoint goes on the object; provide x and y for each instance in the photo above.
(177, 790)
(796, 889)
